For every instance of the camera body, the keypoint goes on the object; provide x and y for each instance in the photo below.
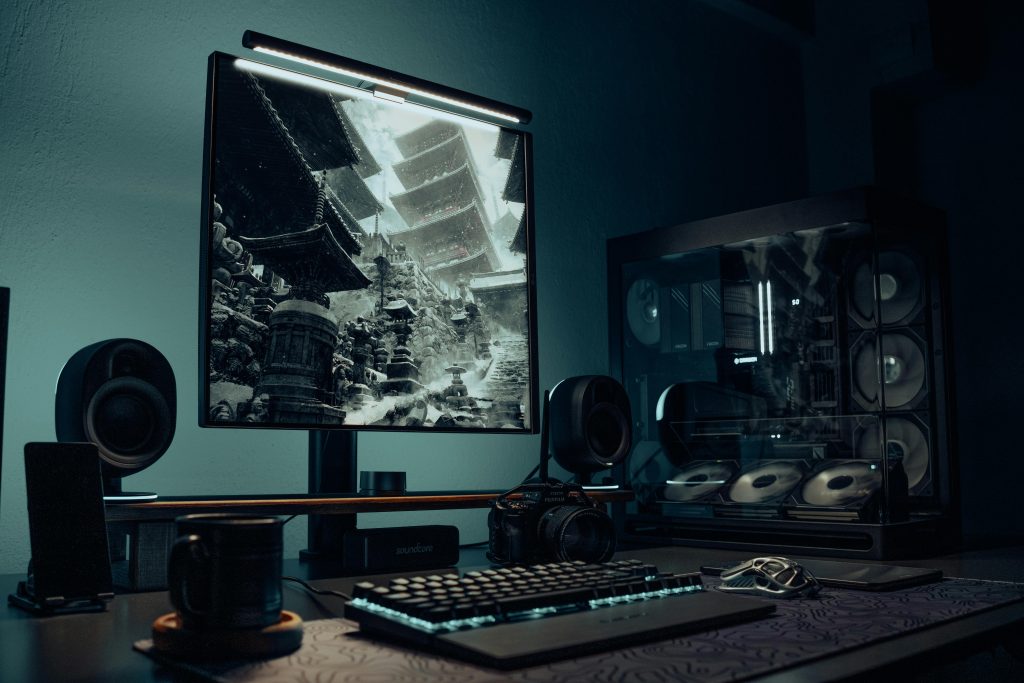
(548, 521)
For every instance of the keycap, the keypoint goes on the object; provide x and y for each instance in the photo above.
(362, 589)
(526, 602)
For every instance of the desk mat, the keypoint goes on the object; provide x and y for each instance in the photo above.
(800, 631)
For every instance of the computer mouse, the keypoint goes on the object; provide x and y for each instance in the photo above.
(772, 577)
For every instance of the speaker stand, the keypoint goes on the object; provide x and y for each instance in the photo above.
(112, 492)
(585, 479)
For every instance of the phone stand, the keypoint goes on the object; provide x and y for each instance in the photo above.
(26, 599)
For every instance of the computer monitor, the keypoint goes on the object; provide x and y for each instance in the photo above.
(366, 262)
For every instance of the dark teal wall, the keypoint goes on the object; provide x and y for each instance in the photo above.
(970, 161)
(645, 114)
(958, 145)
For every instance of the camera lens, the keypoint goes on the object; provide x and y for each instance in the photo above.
(570, 532)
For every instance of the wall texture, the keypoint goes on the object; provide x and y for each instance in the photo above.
(644, 115)
(957, 145)
(969, 159)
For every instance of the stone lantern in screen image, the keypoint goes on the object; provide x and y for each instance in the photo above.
(456, 395)
(464, 351)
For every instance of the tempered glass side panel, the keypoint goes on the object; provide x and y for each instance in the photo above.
(795, 370)
(758, 320)
(763, 351)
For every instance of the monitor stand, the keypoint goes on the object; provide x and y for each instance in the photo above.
(332, 472)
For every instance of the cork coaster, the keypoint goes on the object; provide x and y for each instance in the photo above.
(171, 638)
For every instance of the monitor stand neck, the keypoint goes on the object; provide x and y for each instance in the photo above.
(332, 472)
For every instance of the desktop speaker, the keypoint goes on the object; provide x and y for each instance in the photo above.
(120, 395)
(590, 423)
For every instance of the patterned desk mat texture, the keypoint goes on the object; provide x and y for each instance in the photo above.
(800, 631)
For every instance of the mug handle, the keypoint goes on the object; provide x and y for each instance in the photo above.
(184, 552)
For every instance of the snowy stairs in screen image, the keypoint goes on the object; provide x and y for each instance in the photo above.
(509, 375)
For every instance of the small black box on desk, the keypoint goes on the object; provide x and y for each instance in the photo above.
(401, 548)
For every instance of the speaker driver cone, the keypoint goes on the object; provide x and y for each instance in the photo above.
(607, 431)
(129, 421)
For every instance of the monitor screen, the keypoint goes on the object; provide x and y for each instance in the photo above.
(366, 263)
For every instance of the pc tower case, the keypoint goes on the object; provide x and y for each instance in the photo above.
(789, 374)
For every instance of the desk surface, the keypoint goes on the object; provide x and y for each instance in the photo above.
(98, 646)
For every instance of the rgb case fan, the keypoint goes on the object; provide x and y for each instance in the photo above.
(760, 489)
(701, 481)
(897, 293)
(765, 482)
(838, 491)
(906, 439)
(895, 377)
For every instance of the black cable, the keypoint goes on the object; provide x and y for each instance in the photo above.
(473, 545)
(545, 450)
(317, 591)
(532, 472)
(288, 520)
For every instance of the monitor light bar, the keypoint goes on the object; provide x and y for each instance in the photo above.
(268, 71)
(326, 85)
(397, 84)
(386, 93)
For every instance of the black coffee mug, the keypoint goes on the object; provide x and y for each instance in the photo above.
(225, 571)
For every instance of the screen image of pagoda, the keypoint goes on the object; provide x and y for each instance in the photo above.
(367, 261)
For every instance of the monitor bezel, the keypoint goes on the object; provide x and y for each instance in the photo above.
(205, 305)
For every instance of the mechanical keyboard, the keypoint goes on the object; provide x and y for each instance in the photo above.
(524, 615)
